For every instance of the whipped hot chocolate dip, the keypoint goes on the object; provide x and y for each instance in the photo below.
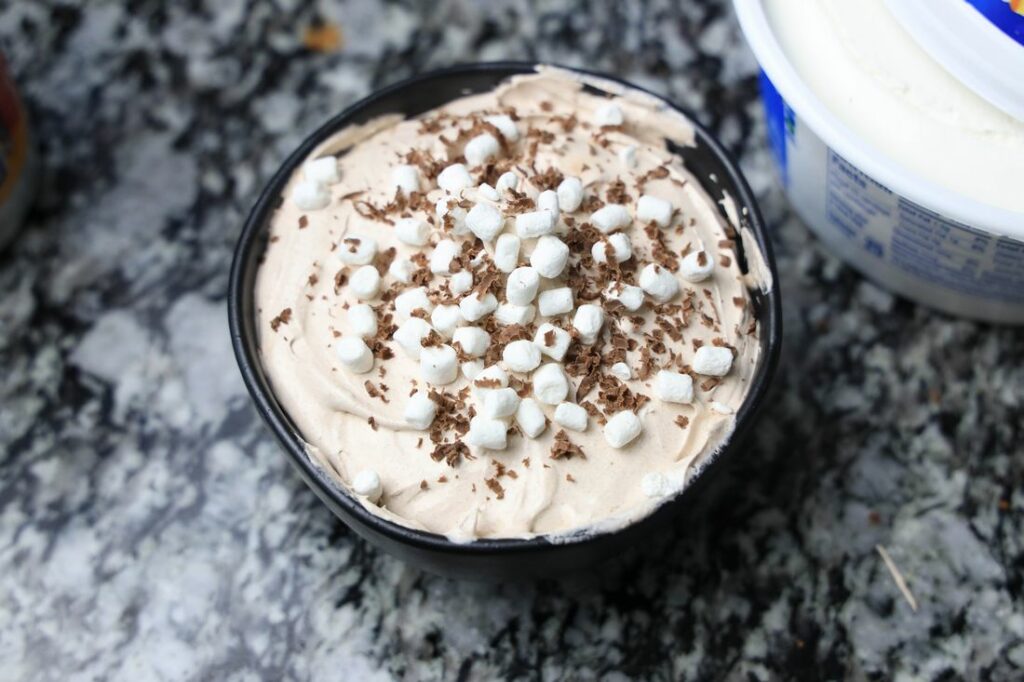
(517, 314)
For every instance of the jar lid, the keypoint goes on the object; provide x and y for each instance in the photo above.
(980, 42)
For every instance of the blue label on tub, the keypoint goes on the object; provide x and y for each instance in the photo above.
(1006, 15)
(776, 113)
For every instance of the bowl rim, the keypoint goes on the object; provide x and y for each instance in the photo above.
(326, 487)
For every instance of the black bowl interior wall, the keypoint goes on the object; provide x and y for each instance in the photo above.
(485, 558)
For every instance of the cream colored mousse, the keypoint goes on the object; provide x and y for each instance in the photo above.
(515, 315)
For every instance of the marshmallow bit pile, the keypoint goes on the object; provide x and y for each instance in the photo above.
(463, 296)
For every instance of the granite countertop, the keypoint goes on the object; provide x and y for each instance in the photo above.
(151, 529)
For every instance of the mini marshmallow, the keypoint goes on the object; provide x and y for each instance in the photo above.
(487, 192)
(420, 411)
(627, 156)
(506, 252)
(654, 484)
(471, 369)
(481, 148)
(412, 231)
(454, 178)
(588, 321)
(673, 387)
(505, 125)
(439, 365)
(308, 195)
(499, 403)
(611, 217)
(486, 433)
(458, 220)
(530, 418)
(550, 385)
(622, 429)
(652, 209)
(445, 319)
(474, 307)
(472, 340)
(571, 416)
(696, 266)
(354, 354)
(442, 256)
(507, 180)
(365, 282)
(409, 334)
(570, 194)
(362, 320)
(479, 258)
(631, 297)
(406, 178)
(535, 224)
(555, 301)
(367, 483)
(608, 114)
(548, 201)
(712, 361)
(510, 314)
(401, 269)
(521, 285)
(492, 374)
(323, 170)
(410, 300)
(549, 256)
(485, 221)
(559, 341)
(357, 249)
(659, 283)
(621, 247)
(461, 282)
(621, 371)
(521, 356)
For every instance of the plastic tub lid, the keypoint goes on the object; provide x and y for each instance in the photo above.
(980, 42)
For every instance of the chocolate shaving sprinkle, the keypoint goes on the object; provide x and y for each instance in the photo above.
(451, 453)
(424, 485)
(303, 222)
(563, 448)
(372, 422)
(617, 194)
(283, 317)
(682, 421)
(495, 487)
(549, 179)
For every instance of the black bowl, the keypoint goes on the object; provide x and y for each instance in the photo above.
(486, 558)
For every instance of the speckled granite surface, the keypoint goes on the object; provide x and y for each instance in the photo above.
(150, 529)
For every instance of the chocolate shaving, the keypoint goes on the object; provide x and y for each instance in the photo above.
(495, 487)
(451, 453)
(549, 179)
(617, 194)
(303, 222)
(563, 448)
(283, 317)
(682, 421)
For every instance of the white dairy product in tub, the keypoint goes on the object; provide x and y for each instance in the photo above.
(900, 168)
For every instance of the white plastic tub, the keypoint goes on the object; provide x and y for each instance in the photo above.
(911, 235)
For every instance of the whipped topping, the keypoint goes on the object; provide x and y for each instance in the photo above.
(874, 77)
(521, 359)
